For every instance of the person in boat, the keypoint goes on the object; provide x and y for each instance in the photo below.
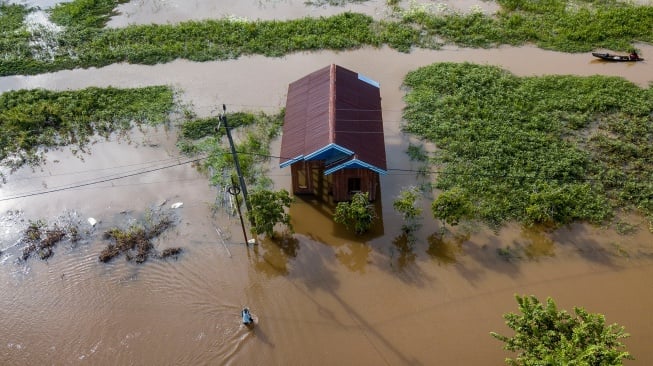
(633, 55)
(247, 317)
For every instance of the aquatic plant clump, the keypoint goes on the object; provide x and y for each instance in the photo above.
(170, 252)
(31, 120)
(547, 150)
(136, 241)
(41, 239)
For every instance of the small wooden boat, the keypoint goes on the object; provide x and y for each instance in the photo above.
(617, 58)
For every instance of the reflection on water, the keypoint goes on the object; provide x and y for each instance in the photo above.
(272, 256)
(404, 245)
(313, 217)
(537, 244)
(354, 256)
(445, 249)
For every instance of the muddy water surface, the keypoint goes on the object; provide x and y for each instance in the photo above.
(326, 298)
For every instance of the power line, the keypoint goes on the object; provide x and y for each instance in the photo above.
(172, 158)
(98, 181)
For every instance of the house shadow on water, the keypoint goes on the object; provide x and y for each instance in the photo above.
(272, 255)
(312, 217)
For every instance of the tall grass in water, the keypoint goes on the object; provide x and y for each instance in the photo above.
(31, 120)
(547, 150)
(572, 26)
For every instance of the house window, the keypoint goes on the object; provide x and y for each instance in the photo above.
(354, 185)
(302, 179)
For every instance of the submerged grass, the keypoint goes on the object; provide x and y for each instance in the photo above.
(31, 120)
(84, 13)
(572, 26)
(562, 25)
(546, 150)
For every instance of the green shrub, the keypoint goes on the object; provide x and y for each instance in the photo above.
(358, 212)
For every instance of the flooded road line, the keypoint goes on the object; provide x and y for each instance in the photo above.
(222, 241)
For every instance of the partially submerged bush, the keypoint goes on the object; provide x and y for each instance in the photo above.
(42, 239)
(135, 242)
(359, 212)
(170, 252)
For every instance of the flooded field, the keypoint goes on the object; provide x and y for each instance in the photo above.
(173, 11)
(326, 298)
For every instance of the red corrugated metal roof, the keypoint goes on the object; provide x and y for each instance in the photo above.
(334, 105)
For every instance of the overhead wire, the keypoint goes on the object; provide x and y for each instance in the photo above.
(172, 158)
(103, 180)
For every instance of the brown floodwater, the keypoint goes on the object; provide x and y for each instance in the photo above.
(327, 297)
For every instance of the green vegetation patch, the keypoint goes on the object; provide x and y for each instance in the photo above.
(35, 119)
(84, 13)
(197, 128)
(225, 39)
(11, 17)
(254, 133)
(41, 238)
(548, 150)
(14, 37)
(79, 46)
(571, 26)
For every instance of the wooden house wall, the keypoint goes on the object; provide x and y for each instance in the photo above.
(369, 181)
(335, 185)
(315, 182)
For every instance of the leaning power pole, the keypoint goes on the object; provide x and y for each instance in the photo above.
(243, 188)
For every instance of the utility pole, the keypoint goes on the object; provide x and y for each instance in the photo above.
(234, 190)
(243, 188)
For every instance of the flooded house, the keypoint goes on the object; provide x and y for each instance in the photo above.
(333, 134)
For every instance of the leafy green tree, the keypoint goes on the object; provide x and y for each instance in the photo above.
(405, 204)
(546, 336)
(359, 212)
(451, 206)
(268, 210)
